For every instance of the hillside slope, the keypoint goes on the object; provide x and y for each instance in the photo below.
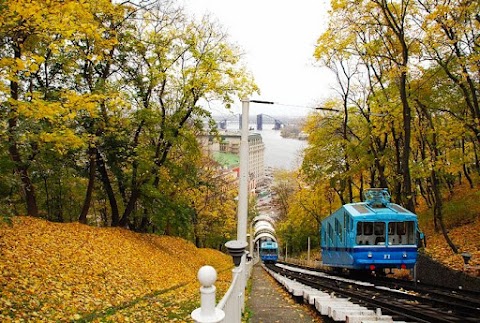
(461, 214)
(466, 237)
(64, 272)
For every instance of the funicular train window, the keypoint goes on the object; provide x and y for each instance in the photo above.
(330, 235)
(368, 228)
(338, 229)
(379, 231)
(400, 233)
(391, 228)
(359, 228)
(379, 228)
(359, 233)
(393, 236)
(410, 232)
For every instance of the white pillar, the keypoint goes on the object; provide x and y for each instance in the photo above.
(243, 187)
(207, 313)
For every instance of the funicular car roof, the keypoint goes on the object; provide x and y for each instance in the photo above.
(364, 210)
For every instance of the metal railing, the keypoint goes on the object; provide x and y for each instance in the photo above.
(232, 304)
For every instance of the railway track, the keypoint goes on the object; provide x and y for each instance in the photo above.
(401, 300)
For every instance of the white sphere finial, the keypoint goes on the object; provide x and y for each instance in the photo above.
(207, 276)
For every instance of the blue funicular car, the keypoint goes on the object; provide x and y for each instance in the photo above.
(269, 251)
(370, 236)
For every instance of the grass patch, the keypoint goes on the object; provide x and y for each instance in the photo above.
(247, 314)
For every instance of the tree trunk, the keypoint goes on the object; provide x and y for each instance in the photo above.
(398, 169)
(135, 186)
(92, 152)
(377, 147)
(464, 166)
(395, 22)
(20, 167)
(109, 190)
(437, 208)
(424, 193)
(345, 140)
(437, 213)
(130, 207)
(477, 160)
(47, 194)
(407, 119)
(145, 222)
(340, 195)
(60, 202)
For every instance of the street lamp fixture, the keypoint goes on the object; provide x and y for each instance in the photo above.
(236, 249)
(262, 102)
(327, 109)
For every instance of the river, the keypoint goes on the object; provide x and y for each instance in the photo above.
(284, 153)
(281, 152)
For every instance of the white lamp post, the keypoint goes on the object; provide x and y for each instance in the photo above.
(244, 157)
(243, 187)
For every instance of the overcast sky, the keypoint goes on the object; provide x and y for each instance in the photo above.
(278, 38)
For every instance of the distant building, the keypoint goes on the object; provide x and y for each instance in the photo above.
(225, 149)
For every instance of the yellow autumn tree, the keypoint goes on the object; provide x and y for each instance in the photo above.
(39, 99)
(410, 107)
(171, 66)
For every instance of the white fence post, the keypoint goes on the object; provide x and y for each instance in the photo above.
(230, 308)
(207, 313)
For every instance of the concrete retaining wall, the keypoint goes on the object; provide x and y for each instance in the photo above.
(432, 272)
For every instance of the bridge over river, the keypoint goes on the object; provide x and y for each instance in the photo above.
(277, 124)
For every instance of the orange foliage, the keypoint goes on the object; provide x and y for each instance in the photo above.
(64, 272)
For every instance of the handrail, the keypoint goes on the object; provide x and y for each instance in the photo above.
(231, 306)
(221, 304)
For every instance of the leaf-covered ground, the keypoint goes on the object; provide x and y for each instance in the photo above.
(465, 237)
(73, 272)
(461, 214)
